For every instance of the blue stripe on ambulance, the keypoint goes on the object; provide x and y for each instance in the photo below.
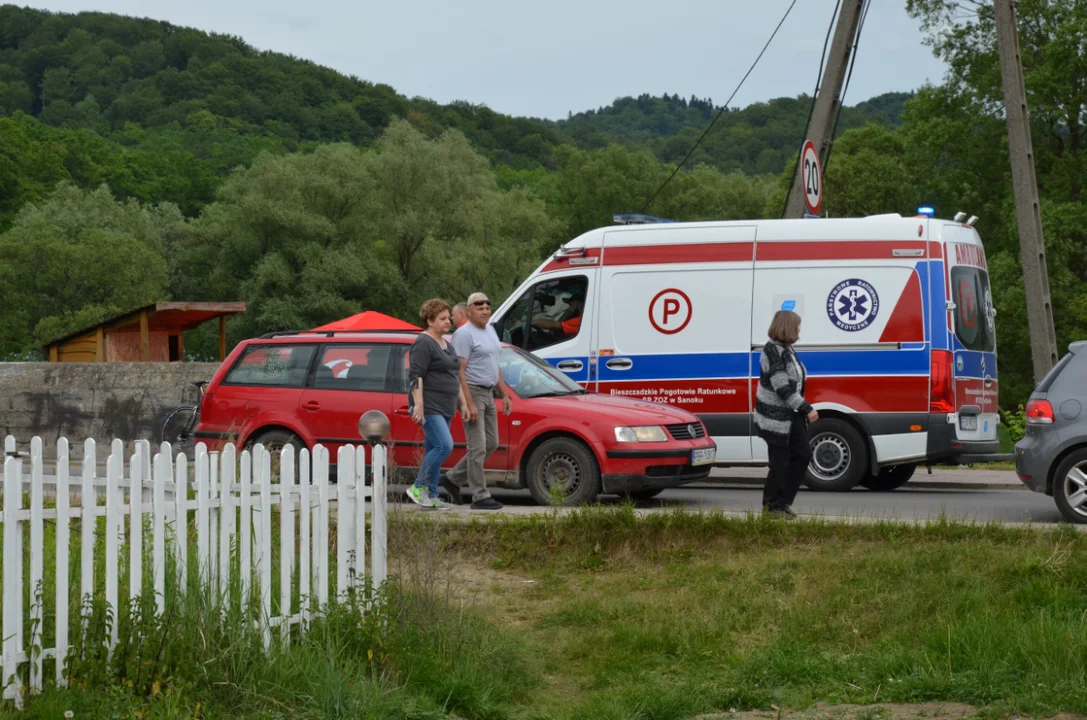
(911, 360)
(971, 362)
(581, 375)
(936, 304)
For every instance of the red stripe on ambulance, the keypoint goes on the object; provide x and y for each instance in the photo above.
(838, 250)
(887, 393)
(867, 393)
(669, 254)
(907, 321)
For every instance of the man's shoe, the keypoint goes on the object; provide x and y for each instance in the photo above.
(450, 487)
(788, 510)
(487, 503)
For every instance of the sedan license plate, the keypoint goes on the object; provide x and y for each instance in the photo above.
(968, 422)
(703, 456)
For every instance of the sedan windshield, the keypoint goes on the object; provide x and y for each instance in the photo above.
(531, 377)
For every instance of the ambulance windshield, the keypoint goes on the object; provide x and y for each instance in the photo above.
(974, 316)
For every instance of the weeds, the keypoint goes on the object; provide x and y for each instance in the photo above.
(609, 613)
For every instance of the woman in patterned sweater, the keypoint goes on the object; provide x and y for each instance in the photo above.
(782, 415)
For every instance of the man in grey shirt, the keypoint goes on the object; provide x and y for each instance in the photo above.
(477, 345)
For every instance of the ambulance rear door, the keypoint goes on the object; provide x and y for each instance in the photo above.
(973, 321)
(675, 323)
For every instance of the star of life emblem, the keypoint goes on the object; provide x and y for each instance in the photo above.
(853, 305)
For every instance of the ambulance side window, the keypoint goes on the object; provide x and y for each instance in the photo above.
(556, 311)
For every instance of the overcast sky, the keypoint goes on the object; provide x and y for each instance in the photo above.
(544, 59)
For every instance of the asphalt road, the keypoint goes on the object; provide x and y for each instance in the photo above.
(964, 495)
(1009, 506)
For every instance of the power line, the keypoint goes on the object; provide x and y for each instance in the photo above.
(849, 75)
(721, 111)
(814, 95)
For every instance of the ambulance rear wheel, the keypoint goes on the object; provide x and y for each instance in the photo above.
(889, 478)
(839, 456)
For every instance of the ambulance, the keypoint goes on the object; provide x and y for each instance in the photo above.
(897, 334)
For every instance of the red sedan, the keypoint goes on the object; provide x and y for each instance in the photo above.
(559, 441)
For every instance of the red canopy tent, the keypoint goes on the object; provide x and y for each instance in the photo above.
(369, 320)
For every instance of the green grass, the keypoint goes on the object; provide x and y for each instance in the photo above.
(671, 615)
(607, 613)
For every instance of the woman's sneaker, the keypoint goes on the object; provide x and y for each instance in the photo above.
(419, 496)
(439, 504)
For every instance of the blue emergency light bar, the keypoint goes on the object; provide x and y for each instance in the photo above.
(926, 210)
(638, 219)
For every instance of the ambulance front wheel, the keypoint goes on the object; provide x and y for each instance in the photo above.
(839, 456)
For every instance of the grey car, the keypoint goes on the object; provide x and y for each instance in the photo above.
(1052, 457)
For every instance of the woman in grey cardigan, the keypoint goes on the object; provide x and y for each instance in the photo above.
(782, 415)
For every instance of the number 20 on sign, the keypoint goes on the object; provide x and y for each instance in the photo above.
(811, 177)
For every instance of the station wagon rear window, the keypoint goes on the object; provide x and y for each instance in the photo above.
(354, 367)
(272, 366)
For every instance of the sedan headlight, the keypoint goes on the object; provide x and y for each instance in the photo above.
(648, 433)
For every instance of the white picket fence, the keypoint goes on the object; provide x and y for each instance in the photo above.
(149, 502)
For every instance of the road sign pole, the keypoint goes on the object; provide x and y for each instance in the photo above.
(1043, 340)
(827, 101)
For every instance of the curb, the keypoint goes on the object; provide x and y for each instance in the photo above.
(912, 484)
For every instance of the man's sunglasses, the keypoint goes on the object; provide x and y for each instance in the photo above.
(481, 303)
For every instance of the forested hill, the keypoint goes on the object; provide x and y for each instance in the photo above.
(755, 140)
(140, 161)
(211, 102)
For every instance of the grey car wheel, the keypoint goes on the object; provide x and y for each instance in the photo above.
(1070, 487)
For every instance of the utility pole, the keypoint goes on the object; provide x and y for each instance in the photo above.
(1043, 341)
(828, 98)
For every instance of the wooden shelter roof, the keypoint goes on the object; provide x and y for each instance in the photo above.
(161, 317)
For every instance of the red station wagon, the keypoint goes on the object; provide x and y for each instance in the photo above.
(310, 388)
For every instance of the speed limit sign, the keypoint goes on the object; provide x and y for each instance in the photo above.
(811, 178)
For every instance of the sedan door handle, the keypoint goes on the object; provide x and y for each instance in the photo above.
(403, 410)
(311, 405)
(619, 364)
(570, 365)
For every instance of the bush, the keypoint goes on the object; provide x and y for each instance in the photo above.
(1015, 422)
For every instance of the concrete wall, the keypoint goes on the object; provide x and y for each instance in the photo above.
(93, 400)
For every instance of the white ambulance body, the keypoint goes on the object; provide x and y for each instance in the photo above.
(897, 332)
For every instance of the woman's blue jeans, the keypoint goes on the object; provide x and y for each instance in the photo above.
(437, 446)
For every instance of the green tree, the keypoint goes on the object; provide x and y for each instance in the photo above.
(76, 258)
(288, 236)
(595, 185)
(425, 191)
(959, 129)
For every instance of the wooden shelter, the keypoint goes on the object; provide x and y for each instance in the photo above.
(149, 334)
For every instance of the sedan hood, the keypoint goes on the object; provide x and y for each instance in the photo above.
(622, 411)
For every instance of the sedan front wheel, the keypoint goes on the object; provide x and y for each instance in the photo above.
(563, 471)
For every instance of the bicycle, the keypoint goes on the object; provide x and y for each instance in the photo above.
(179, 427)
